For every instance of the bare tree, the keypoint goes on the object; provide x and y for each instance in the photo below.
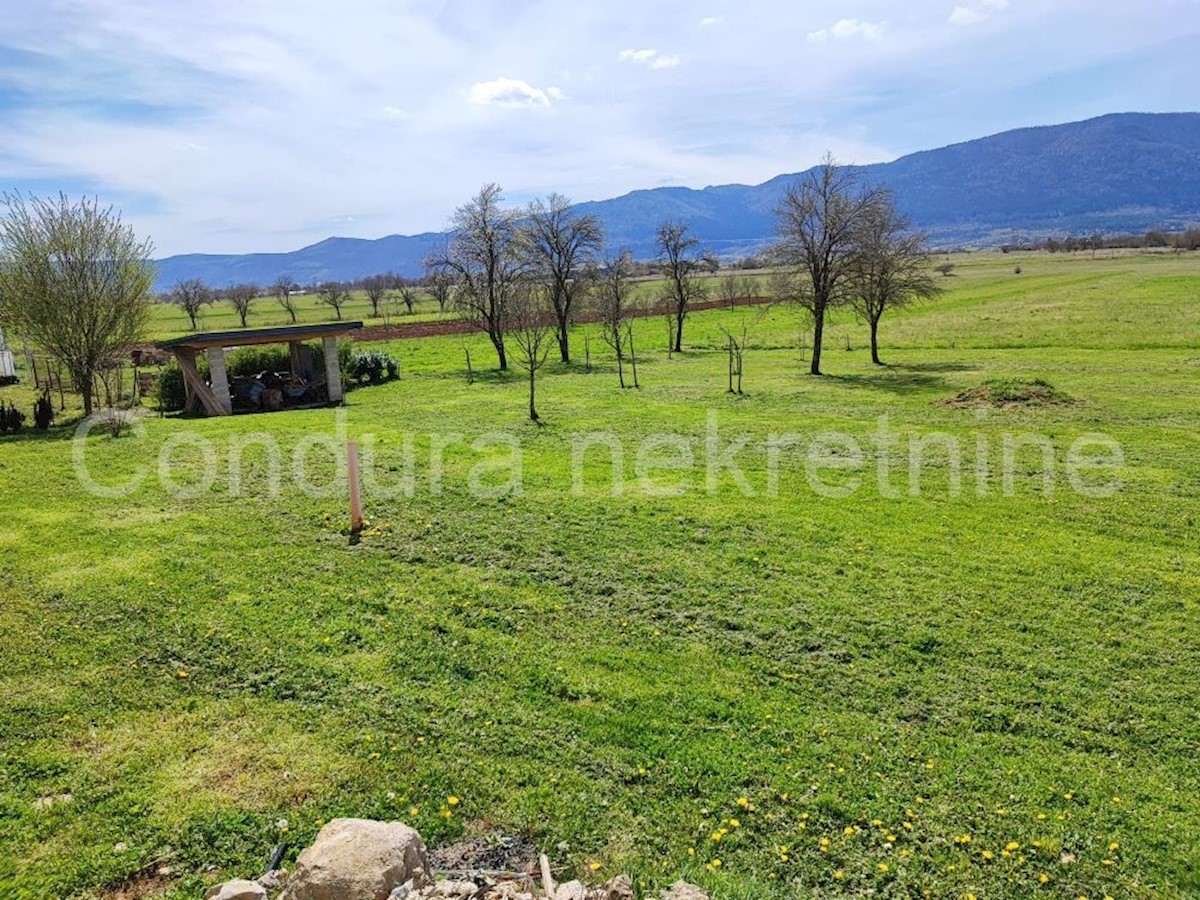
(735, 346)
(612, 306)
(334, 295)
(531, 322)
(891, 266)
(75, 282)
(376, 288)
(441, 286)
(733, 288)
(282, 290)
(484, 259)
(679, 265)
(408, 293)
(240, 296)
(191, 295)
(563, 247)
(818, 222)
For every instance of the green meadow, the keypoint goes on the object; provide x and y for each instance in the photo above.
(960, 677)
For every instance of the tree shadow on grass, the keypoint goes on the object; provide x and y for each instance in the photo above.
(30, 434)
(895, 382)
(934, 367)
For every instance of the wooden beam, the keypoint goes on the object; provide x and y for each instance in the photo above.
(191, 377)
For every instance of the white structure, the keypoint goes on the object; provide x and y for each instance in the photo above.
(8, 371)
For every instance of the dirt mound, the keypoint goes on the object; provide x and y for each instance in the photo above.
(1010, 392)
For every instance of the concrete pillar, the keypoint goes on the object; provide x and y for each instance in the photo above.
(333, 373)
(220, 379)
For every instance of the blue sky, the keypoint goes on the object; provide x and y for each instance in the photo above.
(263, 126)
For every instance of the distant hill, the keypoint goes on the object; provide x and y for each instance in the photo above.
(1125, 172)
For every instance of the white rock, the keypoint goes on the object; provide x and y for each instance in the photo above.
(358, 859)
(617, 888)
(238, 889)
(681, 890)
(572, 890)
(456, 889)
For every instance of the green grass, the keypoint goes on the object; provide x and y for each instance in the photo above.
(621, 676)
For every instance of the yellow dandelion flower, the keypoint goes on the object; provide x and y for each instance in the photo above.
(891, 838)
(743, 802)
(691, 851)
(838, 874)
(987, 854)
(1011, 846)
(1114, 846)
(876, 823)
(452, 800)
(594, 866)
(1043, 878)
(883, 867)
(848, 830)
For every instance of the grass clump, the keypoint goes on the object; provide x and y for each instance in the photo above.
(1002, 392)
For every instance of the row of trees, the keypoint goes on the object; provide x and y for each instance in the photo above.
(1189, 239)
(191, 295)
(840, 242)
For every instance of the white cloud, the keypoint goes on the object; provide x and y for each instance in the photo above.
(511, 93)
(976, 12)
(111, 101)
(848, 28)
(709, 21)
(649, 57)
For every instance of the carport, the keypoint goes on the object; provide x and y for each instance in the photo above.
(215, 396)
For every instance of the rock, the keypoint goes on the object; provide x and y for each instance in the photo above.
(238, 889)
(572, 890)
(618, 888)
(272, 879)
(358, 859)
(404, 891)
(455, 889)
(508, 890)
(681, 890)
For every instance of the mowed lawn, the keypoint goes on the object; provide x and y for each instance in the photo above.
(988, 694)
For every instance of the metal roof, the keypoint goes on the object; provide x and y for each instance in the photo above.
(244, 337)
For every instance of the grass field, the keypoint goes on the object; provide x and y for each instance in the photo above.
(987, 694)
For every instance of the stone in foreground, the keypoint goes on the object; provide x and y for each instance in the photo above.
(358, 859)
(681, 890)
(238, 889)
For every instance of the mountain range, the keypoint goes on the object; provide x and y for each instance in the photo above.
(1119, 173)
